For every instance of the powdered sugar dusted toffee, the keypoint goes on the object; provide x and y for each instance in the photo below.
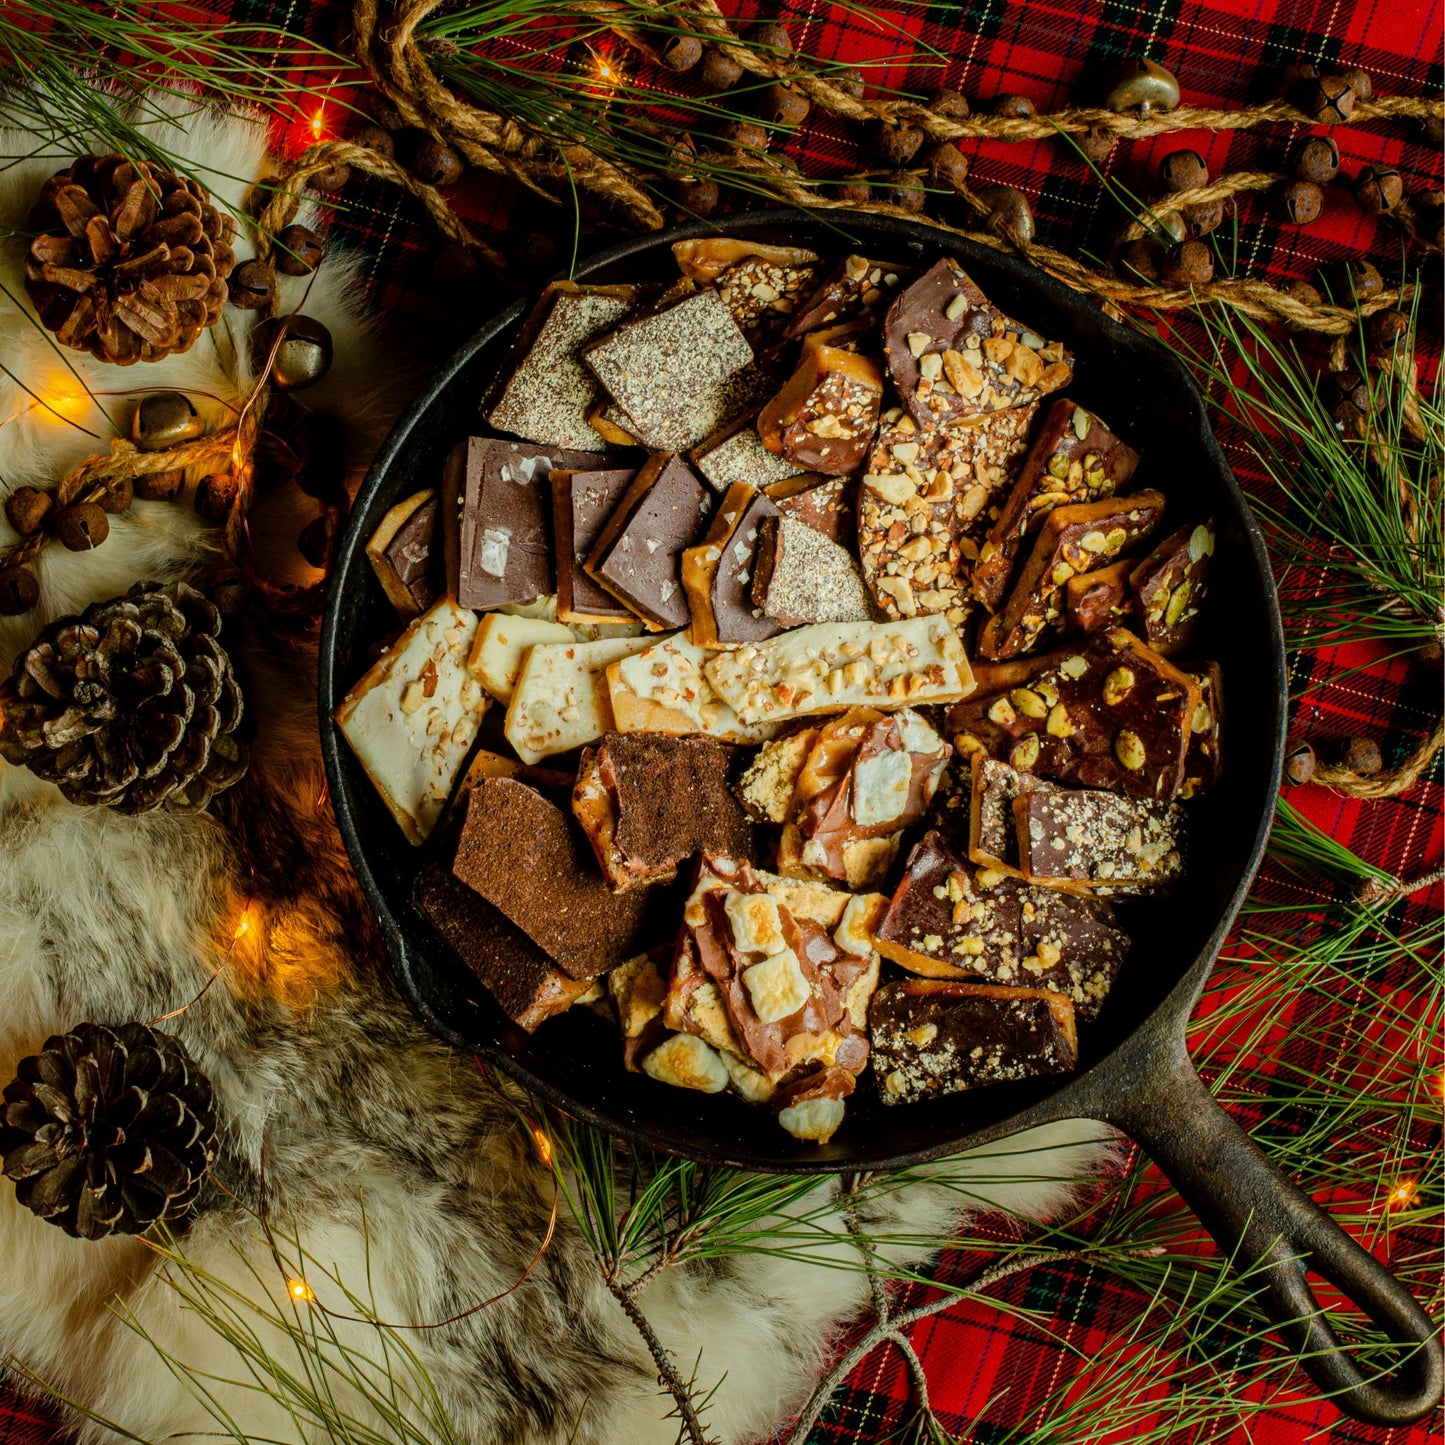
(548, 394)
(801, 577)
(737, 454)
(1099, 839)
(657, 367)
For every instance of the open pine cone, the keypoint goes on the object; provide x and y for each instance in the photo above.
(133, 704)
(108, 1130)
(130, 263)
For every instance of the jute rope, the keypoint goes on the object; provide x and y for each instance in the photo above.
(1386, 784)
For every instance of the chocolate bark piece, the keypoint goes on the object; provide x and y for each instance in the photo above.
(560, 700)
(581, 504)
(495, 505)
(526, 857)
(656, 367)
(1203, 762)
(1071, 945)
(735, 453)
(1072, 540)
(932, 1038)
(1107, 713)
(951, 477)
(952, 353)
(1099, 599)
(800, 577)
(1073, 458)
(762, 294)
(412, 719)
(717, 575)
(521, 977)
(992, 837)
(839, 665)
(637, 556)
(1095, 839)
(1169, 585)
(405, 553)
(547, 394)
(629, 801)
(825, 416)
(854, 286)
(638, 988)
(826, 504)
(708, 257)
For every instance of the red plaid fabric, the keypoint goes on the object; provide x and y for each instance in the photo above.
(993, 1374)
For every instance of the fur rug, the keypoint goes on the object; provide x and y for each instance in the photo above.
(109, 918)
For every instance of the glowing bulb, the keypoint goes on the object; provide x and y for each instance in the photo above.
(544, 1145)
(300, 1290)
(318, 123)
(64, 398)
(243, 926)
(1403, 1193)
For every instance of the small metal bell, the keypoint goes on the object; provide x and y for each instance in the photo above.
(1144, 86)
(164, 419)
(303, 356)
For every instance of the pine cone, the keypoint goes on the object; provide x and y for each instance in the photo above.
(133, 704)
(131, 261)
(108, 1130)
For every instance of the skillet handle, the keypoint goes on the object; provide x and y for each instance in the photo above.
(1256, 1214)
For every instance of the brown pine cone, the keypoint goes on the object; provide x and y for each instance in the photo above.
(108, 1130)
(132, 705)
(130, 261)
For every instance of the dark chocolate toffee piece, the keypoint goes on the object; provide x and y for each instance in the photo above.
(1074, 458)
(717, 574)
(854, 287)
(638, 554)
(1203, 763)
(826, 504)
(824, 418)
(763, 294)
(1169, 584)
(953, 354)
(405, 552)
(932, 1038)
(495, 505)
(1099, 840)
(992, 838)
(581, 505)
(1099, 599)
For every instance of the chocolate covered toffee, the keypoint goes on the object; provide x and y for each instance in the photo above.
(851, 683)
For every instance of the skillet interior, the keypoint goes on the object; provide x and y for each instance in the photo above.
(1144, 395)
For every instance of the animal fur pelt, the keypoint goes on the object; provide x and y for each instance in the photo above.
(109, 918)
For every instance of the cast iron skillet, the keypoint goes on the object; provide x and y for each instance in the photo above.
(1134, 1072)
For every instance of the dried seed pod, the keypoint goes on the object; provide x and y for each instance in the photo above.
(1299, 761)
(1141, 258)
(299, 251)
(215, 496)
(1359, 81)
(164, 419)
(1387, 329)
(330, 180)
(27, 508)
(382, 110)
(950, 104)
(1300, 202)
(252, 286)
(1183, 171)
(119, 493)
(1202, 218)
(1009, 212)
(437, 163)
(769, 35)
(746, 135)
(1317, 160)
(1378, 189)
(1097, 144)
(81, 526)
(1432, 128)
(1013, 107)
(718, 71)
(1360, 279)
(373, 138)
(1190, 263)
(160, 486)
(1362, 756)
(698, 196)
(19, 591)
(896, 145)
(316, 539)
(1429, 209)
(680, 53)
(1143, 86)
(947, 167)
(904, 191)
(782, 106)
(853, 193)
(228, 589)
(1329, 100)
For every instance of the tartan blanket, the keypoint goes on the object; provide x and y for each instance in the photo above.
(990, 1370)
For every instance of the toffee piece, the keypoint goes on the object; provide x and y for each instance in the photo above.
(708, 257)
(1099, 599)
(762, 294)
(854, 287)
(526, 858)
(406, 555)
(824, 417)
(637, 556)
(735, 453)
(581, 505)
(495, 506)
(1099, 840)
(626, 799)
(1074, 458)
(1169, 584)
(992, 837)
(826, 504)
(1203, 763)
(1072, 540)
(547, 395)
(932, 1038)
(717, 575)
(953, 354)
(801, 577)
